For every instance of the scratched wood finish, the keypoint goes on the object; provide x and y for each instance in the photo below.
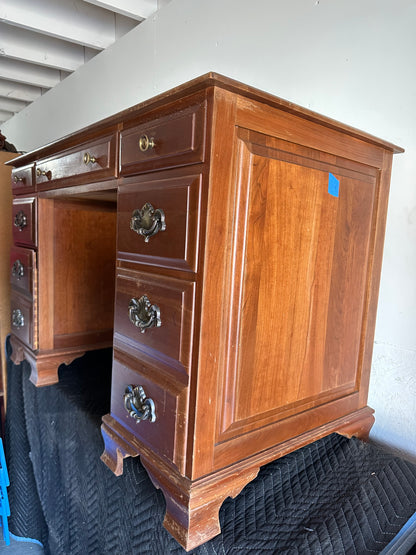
(266, 277)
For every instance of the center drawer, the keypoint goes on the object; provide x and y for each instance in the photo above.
(155, 315)
(92, 161)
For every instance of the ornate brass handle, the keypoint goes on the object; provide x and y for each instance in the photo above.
(18, 270)
(138, 405)
(47, 174)
(143, 314)
(18, 320)
(145, 143)
(20, 220)
(88, 159)
(147, 221)
(17, 178)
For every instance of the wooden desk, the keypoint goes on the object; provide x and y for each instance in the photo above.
(238, 238)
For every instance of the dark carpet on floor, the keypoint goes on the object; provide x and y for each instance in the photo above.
(336, 496)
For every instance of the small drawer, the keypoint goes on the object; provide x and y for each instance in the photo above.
(158, 429)
(156, 314)
(173, 140)
(92, 161)
(23, 319)
(24, 222)
(22, 269)
(158, 222)
(22, 180)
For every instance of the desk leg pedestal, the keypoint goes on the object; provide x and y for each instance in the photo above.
(44, 365)
(192, 506)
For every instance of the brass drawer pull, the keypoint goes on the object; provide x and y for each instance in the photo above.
(20, 220)
(17, 178)
(18, 320)
(147, 221)
(145, 143)
(47, 174)
(18, 270)
(88, 159)
(138, 405)
(143, 314)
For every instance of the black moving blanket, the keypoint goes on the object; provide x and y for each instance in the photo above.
(332, 497)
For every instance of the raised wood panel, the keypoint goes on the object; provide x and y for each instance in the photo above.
(300, 259)
(180, 198)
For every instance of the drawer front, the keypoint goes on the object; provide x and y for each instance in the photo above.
(161, 405)
(22, 180)
(173, 140)
(24, 222)
(92, 161)
(23, 319)
(155, 315)
(22, 269)
(158, 222)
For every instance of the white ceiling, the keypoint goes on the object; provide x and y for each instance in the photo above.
(43, 41)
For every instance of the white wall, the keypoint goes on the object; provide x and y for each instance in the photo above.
(352, 60)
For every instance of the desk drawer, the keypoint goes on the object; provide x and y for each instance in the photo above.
(158, 221)
(89, 162)
(155, 314)
(159, 429)
(22, 268)
(23, 319)
(24, 222)
(22, 180)
(174, 140)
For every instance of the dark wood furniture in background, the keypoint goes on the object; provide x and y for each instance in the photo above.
(247, 265)
(5, 244)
